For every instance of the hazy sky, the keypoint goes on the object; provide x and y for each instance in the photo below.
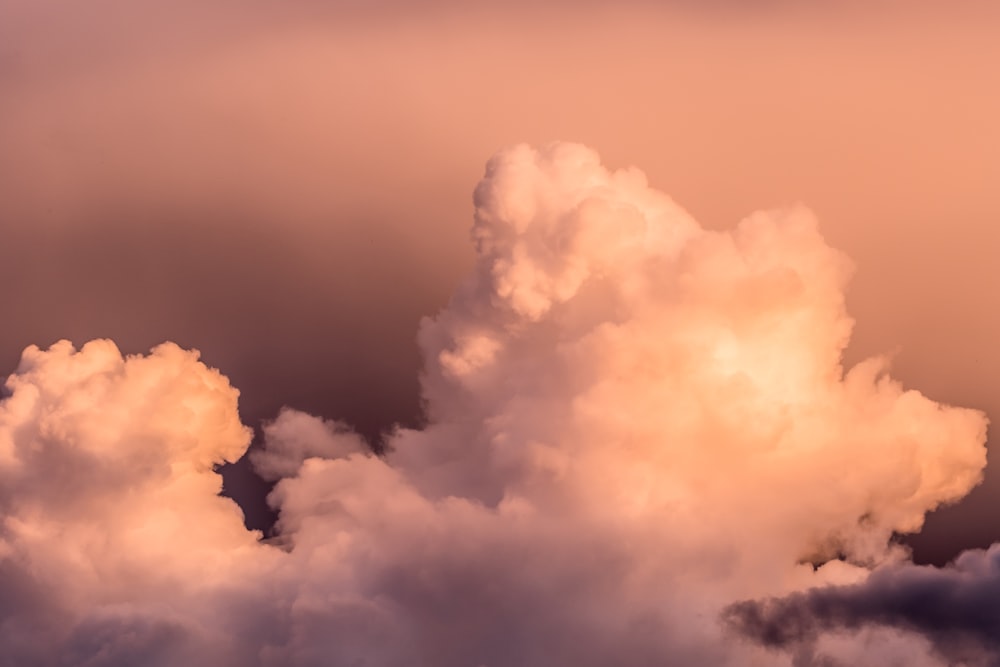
(287, 186)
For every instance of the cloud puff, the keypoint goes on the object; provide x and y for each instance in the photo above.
(631, 423)
(294, 437)
(112, 530)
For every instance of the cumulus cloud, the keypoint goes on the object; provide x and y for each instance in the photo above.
(295, 436)
(631, 423)
(113, 535)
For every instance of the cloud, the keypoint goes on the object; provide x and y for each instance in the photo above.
(112, 531)
(191, 171)
(631, 422)
(294, 437)
(954, 608)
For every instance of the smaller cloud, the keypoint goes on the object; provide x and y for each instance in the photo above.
(295, 436)
(956, 609)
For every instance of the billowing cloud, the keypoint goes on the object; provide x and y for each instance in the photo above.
(259, 179)
(631, 423)
(113, 537)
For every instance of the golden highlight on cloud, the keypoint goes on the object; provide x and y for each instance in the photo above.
(632, 423)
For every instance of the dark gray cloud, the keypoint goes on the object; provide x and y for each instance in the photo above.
(957, 608)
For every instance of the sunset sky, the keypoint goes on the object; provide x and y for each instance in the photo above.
(656, 313)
